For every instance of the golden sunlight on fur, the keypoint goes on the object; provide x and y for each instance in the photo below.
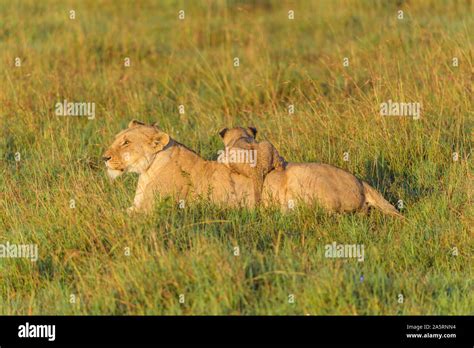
(168, 168)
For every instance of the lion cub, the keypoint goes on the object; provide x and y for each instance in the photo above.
(244, 155)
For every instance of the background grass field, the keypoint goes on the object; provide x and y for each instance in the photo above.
(84, 251)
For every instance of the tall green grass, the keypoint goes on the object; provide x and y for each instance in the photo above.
(114, 264)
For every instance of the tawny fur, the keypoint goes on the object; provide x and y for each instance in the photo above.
(267, 157)
(168, 168)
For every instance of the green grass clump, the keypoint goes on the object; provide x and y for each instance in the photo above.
(114, 264)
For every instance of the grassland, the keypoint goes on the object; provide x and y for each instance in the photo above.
(114, 264)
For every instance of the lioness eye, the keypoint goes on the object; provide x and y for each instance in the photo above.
(126, 142)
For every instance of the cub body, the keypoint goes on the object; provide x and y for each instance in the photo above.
(239, 140)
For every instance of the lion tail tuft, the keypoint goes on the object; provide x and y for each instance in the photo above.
(376, 200)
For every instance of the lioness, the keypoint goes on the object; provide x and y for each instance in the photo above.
(265, 156)
(167, 167)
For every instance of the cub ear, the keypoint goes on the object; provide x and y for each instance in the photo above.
(253, 130)
(134, 123)
(222, 132)
(160, 140)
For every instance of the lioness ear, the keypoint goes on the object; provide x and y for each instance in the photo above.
(222, 132)
(160, 140)
(134, 123)
(253, 130)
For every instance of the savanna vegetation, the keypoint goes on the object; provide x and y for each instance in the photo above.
(96, 259)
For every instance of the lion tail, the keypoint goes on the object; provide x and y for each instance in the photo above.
(376, 200)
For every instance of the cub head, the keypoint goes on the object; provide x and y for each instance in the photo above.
(230, 135)
(134, 149)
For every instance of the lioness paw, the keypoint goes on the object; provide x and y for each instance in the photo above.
(131, 210)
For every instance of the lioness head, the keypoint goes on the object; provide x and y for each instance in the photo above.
(134, 149)
(231, 135)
